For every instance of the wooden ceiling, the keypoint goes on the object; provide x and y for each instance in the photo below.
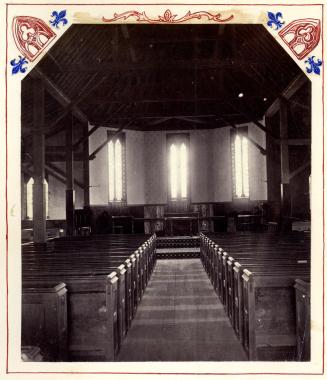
(158, 77)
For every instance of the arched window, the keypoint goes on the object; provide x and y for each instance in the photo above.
(116, 170)
(178, 168)
(240, 166)
(29, 198)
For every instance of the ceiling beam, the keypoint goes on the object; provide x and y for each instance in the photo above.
(57, 94)
(190, 120)
(298, 142)
(157, 117)
(54, 148)
(48, 172)
(53, 168)
(138, 100)
(125, 32)
(82, 139)
(254, 121)
(55, 175)
(290, 90)
(61, 157)
(84, 93)
(27, 172)
(261, 126)
(259, 147)
(299, 169)
(201, 64)
(101, 146)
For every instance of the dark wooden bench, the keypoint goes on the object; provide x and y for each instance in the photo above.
(93, 326)
(272, 255)
(47, 329)
(269, 313)
(82, 263)
(102, 289)
(302, 292)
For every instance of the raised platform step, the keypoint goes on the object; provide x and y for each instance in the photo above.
(178, 242)
(178, 253)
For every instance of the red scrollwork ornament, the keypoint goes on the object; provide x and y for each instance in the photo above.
(168, 17)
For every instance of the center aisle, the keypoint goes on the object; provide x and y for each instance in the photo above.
(180, 318)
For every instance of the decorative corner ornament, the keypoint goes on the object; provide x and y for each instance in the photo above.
(168, 17)
(32, 35)
(313, 65)
(301, 36)
(18, 67)
(58, 18)
(275, 20)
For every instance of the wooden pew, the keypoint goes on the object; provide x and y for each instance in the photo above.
(87, 271)
(93, 332)
(302, 292)
(269, 331)
(82, 263)
(67, 254)
(44, 319)
(236, 297)
(271, 257)
(224, 278)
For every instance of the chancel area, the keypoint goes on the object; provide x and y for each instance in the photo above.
(165, 192)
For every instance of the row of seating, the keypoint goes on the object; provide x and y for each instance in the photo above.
(81, 294)
(254, 277)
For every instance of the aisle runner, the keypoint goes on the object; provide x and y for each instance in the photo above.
(180, 318)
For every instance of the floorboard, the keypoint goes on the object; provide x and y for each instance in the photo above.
(180, 318)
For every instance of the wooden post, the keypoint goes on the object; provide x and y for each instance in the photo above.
(86, 173)
(39, 202)
(70, 194)
(284, 162)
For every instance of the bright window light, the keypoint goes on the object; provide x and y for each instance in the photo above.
(178, 171)
(183, 168)
(115, 167)
(118, 171)
(241, 170)
(245, 167)
(173, 171)
(111, 173)
(29, 198)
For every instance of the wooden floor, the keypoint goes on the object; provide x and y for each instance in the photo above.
(180, 318)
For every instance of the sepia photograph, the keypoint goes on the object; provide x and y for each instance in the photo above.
(166, 184)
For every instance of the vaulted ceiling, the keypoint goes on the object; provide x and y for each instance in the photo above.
(150, 77)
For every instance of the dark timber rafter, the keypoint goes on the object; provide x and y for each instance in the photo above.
(299, 169)
(261, 149)
(93, 155)
(84, 138)
(290, 90)
(57, 94)
(202, 64)
(54, 169)
(254, 121)
(84, 93)
(125, 32)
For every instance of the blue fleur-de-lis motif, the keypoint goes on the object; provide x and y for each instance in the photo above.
(18, 65)
(314, 65)
(275, 20)
(58, 18)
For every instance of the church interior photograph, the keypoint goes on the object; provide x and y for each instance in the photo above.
(165, 193)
